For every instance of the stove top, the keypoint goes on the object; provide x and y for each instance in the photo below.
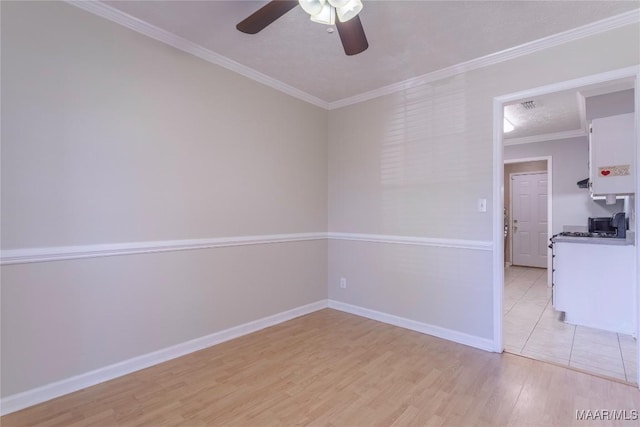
(586, 234)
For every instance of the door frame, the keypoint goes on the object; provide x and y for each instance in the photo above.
(633, 73)
(549, 171)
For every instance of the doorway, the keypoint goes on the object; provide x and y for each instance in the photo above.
(529, 219)
(631, 73)
(524, 165)
(527, 200)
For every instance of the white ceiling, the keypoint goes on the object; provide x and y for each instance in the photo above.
(553, 113)
(556, 115)
(408, 41)
(406, 38)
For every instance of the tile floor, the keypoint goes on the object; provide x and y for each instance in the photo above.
(534, 329)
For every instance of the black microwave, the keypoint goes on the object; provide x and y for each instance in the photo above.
(615, 226)
(601, 225)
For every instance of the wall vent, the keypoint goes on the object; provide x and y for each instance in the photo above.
(528, 105)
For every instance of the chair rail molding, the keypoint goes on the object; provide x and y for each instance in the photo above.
(414, 240)
(59, 253)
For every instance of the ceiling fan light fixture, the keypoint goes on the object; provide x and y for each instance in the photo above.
(349, 10)
(338, 3)
(312, 7)
(352, 36)
(326, 16)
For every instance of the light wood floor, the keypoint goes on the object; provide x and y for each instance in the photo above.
(334, 369)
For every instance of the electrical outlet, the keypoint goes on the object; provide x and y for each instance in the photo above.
(343, 282)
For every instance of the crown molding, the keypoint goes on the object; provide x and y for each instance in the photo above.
(546, 137)
(573, 34)
(112, 14)
(135, 24)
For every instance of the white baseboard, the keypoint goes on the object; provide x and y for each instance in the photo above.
(69, 385)
(425, 328)
(47, 392)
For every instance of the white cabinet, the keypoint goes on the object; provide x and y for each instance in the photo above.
(594, 285)
(611, 155)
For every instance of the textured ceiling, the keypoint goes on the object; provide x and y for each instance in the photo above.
(556, 113)
(553, 113)
(406, 38)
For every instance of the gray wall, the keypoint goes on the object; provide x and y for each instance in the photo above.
(570, 162)
(111, 137)
(609, 104)
(415, 163)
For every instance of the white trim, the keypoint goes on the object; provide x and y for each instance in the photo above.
(69, 385)
(591, 29)
(582, 112)
(50, 391)
(546, 137)
(62, 253)
(549, 172)
(413, 325)
(637, 209)
(619, 74)
(527, 173)
(410, 240)
(632, 72)
(526, 159)
(498, 225)
(22, 256)
(142, 27)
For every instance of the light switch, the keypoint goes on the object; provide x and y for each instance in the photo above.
(482, 205)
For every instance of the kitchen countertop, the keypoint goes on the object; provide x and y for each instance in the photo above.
(629, 241)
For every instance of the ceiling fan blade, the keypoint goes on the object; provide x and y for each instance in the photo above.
(264, 16)
(352, 35)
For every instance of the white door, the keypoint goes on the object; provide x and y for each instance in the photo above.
(529, 219)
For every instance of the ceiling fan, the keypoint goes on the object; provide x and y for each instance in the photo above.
(347, 23)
